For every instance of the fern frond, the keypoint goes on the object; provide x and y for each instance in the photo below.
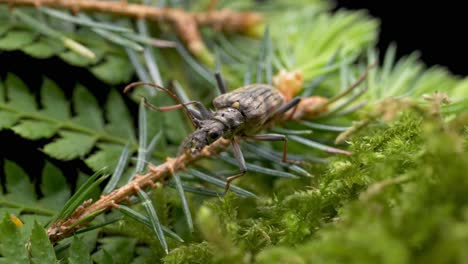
(78, 134)
(79, 252)
(20, 195)
(13, 239)
(109, 63)
(41, 250)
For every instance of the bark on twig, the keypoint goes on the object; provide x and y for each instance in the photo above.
(162, 173)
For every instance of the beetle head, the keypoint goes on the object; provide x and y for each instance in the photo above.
(208, 132)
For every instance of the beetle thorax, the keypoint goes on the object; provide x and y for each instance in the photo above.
(231, 118)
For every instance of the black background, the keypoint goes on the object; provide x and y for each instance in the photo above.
(438, 29)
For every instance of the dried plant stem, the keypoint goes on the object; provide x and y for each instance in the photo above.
(185, 23)
(161, 174)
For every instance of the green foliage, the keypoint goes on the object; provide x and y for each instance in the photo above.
(79, 133)
(12, 244)
(54, 187)
(83, 193)
(79, 252)
(194, 253)
(109, 63)
(402, 223)
(155, 223)
(14, 39)
(347, 32)
(409, 77)
(399, 198)
(307, 38)
(22, 230)
(19, 244)
(20, 195)
(41, 249)
(120, 248)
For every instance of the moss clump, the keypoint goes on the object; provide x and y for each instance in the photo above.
(417, 212)
(402, 197)
(194, 253)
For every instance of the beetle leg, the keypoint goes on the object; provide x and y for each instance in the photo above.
(220, 83)
(286, 107)
(196, 115)
(283, 109)
(276, 137)
(205, 113)
(240, 160)
(294, 108)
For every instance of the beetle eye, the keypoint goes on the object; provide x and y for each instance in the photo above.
(214, 135)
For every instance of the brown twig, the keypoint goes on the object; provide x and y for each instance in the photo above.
(186, 24)
(161, 174)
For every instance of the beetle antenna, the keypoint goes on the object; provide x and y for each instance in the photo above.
(220, 83)
(168, 92)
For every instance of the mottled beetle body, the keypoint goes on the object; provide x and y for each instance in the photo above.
(257, 103)
(239, 114)
(242, 112)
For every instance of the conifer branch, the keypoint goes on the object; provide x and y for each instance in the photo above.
(186, 24)
(160, 174)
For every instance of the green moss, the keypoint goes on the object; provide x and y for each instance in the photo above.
(193, 253)
(400, 198)
(419, 219)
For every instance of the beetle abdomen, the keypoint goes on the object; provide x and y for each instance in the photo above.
(257, 102)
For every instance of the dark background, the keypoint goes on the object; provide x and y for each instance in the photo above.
(438, 30)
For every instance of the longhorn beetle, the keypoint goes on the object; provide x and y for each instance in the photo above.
(241, 113)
